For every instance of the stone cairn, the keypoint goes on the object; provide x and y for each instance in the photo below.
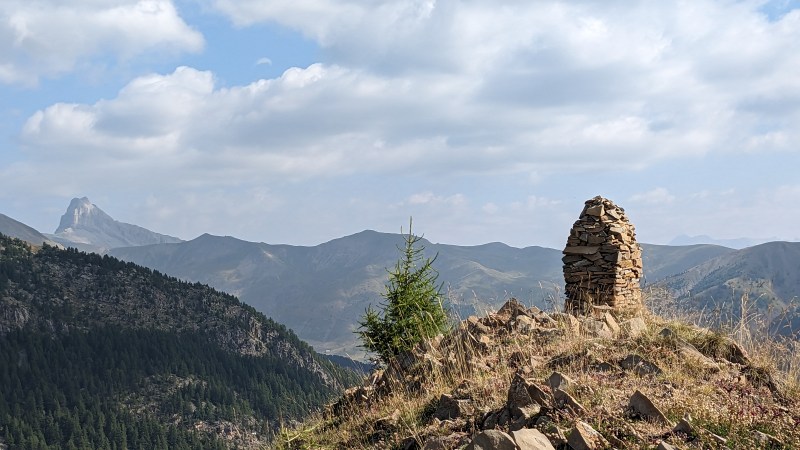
(602, 261)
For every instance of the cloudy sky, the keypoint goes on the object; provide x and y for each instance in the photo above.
(299, 121)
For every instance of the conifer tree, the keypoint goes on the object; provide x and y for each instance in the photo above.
(412, 310)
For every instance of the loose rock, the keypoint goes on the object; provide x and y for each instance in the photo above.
(449, 408)
(584, 437)
(644, 407)
(492, 440)
(531, 439)
(558, 380)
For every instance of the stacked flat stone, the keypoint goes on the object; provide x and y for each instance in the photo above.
(602, 261)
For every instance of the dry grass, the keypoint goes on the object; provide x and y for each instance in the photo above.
(730, 401)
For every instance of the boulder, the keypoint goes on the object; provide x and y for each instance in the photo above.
(641, 405)
(633, 327)
(450, 408)
(492, 440)
(531, 439)
(511, 309)
(564, 399)
(584, 437)
(558, 380)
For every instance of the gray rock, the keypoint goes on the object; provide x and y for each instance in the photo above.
(643, 406)
(633, 327)
(525, 324)
(492, 440)
(521, 415)
(450, 408)
(612, 323)
(511, 309)
(558, 380)
(531, 439)
(571, 323)
(639, 365)
(538, 395)
(597, 329)
(584, 437)
(518, 396)
(563, 398)
(685, 426)
(689, 351)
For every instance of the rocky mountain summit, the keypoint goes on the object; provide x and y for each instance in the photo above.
(86, 227)
(604, 374)
(524, 379)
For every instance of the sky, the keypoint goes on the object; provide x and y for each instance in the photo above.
(301, 121)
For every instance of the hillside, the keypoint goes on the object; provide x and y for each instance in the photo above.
(766, 274)
(662, 261)
(321, 291)
(19, 230)
(525, 379)
(99, 353)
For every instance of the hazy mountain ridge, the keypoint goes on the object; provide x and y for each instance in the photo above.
(766, 274)
(173, 349)
(88, 228)
(661, 261)
(736, 243)
(19, 230)
(321, 291)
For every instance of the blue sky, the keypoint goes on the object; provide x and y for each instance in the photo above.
(301, 121)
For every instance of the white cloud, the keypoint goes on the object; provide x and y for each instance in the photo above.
(50, 37)
(657, 196)
(535, 88)
(429, 198)
(490, 208)
(264, 61)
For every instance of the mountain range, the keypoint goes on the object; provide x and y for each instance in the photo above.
(321, 291)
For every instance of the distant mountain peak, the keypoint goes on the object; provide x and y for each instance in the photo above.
(86, 226)
(82, 213)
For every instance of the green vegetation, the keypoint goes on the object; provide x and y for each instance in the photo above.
(99, 353)
(413, 308)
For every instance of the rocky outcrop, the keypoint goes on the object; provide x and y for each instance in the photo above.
(88, 228)
(602, 260)
(557, 385)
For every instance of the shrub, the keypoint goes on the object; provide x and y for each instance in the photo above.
(412, 310)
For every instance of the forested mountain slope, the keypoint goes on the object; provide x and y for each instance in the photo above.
(99, 353)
